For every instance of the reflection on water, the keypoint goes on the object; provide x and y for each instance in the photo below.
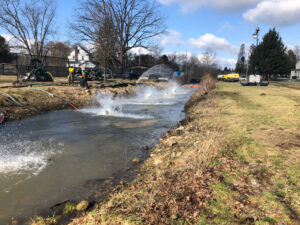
(49, 158)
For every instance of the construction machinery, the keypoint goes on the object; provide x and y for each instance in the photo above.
(92, 74)
(38, 72)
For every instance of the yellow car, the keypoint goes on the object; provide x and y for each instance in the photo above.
(232, 77)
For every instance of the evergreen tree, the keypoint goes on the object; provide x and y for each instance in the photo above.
(240, 64)
(292, 58)
(5, 55)
(270, 55)
(251, 66)
(225, 71)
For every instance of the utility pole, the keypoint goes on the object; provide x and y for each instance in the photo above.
(255, 36)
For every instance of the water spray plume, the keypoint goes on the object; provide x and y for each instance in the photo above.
(143, 95)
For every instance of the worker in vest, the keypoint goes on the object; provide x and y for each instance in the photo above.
(83, 81)
(71, 76)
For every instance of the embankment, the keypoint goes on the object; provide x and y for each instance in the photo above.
(233, 160)
(39, 99)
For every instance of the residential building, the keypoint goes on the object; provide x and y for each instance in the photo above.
(296, 73)
(81, 56)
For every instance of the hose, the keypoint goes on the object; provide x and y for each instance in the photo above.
(191, 86)
(54, 96)
(13, 100)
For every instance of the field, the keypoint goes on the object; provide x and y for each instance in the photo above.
(7, 79)
(235, 159)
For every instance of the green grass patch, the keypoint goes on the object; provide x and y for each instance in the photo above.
(69, 208)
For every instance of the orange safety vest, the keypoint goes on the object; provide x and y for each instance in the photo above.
(83, 74)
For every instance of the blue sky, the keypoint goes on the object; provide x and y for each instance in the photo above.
(222, 25)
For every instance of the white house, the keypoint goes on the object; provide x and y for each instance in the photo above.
(296, 72)
(81, 56)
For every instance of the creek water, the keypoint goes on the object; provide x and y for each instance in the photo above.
(48, 158)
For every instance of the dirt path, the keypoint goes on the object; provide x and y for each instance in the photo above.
(290, 84)
(233, 160)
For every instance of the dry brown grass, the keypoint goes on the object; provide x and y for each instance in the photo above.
(233, 160)
(174, 182)
(44, 102)
(218, 167)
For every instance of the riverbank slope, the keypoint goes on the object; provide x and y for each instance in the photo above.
(233, 160)
(35, 98)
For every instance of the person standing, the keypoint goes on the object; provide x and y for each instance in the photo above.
(83, 82)
(71, 76)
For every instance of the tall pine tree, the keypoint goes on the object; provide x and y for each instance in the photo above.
(5, 56)
(240, 64)
(271, 57)
(292, 58)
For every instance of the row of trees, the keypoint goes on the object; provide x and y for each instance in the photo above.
(269, 58)
(111, 27)
(5, 55)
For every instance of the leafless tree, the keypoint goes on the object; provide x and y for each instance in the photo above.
(297, 52)
(30, 22)
(209, 57)
(106, 49)
(58, 49)
(135, 22)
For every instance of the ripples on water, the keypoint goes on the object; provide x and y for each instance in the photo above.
(44, 159)
(25, 156)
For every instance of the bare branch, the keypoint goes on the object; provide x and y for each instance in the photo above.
(29, 21)
(132, 24)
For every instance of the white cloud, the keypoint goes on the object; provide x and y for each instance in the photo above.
(229, 63)
(226, 26)
(275, 13)
(171, 37)
(210, 41)
(221, 5)
(233, 5)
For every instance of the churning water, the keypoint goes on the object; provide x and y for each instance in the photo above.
(49, 158)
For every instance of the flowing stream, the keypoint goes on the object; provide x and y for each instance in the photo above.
(48, 158)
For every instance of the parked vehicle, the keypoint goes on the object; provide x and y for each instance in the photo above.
(220, 77)
(232, 77)
(255, 80)
(243, 79)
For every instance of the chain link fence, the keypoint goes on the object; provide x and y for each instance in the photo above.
(57, 66)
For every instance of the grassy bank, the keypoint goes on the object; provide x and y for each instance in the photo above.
(35, 99)
(233, 160)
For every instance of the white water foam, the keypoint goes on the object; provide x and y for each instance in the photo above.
(30, 157)
(144, 95)
(112, 107)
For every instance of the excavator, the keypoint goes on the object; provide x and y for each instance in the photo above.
(38, 72)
